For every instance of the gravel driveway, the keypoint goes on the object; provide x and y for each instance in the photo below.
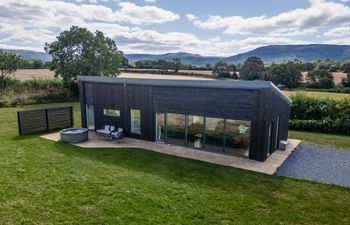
(317, 163)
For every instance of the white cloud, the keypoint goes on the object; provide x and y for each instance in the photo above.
(144, 14)
(338, 32)
(191, 17)
(339, 41)
(29, 24)
(320, 14)
(151, 1)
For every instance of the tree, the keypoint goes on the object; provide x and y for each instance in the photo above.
(221, 69)
(346, 69)
(9, 63)
(320, 78)
(309, 66)
(81, 52)
(208, 66)
(295, 76)
(252, 69)
(37, 64)
(177, 64)
(233, 68)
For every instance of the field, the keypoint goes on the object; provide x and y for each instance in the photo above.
(26, 74)
(315, 94)
(47, 74)
(338, 76)
(43, 182)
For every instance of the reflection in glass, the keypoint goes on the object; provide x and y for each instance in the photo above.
(195, 131)
(176, 129)
(214, 129)
(135, 121)
(90, 117)
(160, 127)
(237, 137)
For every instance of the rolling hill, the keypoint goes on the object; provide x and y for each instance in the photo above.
(269, 54)
(278, 53)
(185, 58)
(27, 54)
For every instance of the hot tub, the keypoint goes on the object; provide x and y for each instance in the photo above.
(74, 135)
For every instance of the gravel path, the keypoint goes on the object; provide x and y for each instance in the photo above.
(317, 163)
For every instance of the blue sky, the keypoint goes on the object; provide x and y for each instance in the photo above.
(206, 27)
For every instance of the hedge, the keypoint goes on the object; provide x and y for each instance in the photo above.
(320, 115)
(345, 90)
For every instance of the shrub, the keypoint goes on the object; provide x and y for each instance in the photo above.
(38, 83)
(9, 82)
(322, 115)
(332, 90)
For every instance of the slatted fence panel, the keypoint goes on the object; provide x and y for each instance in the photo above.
(41, 120)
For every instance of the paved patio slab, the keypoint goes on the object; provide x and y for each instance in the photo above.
(268, 167)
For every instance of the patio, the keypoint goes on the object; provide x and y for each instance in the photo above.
(270, 166)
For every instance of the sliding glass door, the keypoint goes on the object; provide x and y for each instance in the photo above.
(237, 137)
(160, 127)
(214, 134)
(195, 131)
(176, 129)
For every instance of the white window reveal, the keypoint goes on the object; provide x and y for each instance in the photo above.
(111, 112)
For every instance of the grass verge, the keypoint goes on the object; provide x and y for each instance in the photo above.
(338, 141)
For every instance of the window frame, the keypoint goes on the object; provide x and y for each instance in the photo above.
(131, 123)
(105, 112)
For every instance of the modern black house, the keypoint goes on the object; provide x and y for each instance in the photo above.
(241, 118)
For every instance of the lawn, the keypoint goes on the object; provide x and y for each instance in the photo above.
(338, 141)
(315, 94)
(43, 182)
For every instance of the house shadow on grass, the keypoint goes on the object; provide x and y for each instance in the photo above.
(175, 169)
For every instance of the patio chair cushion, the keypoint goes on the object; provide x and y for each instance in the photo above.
(119, 134)
(103, 131)
(112, 128)
(107, 127)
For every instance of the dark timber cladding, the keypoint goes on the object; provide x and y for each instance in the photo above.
(259, 104)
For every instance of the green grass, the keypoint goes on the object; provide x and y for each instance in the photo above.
(330, 95)
(44, 182)
(338, 141)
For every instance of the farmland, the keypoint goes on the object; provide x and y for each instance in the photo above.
(25, 74)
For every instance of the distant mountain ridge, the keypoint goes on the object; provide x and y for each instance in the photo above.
(269, 54)
(278, 53)
(28, 54)
(186, 58)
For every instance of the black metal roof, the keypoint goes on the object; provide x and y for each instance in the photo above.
(221, 84)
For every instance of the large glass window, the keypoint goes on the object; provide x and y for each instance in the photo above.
(176, 129)
(135, 121)
(237, 137)
(111, 112)
(160, 127)
(90, 117)
(195, 131)
(214, 134)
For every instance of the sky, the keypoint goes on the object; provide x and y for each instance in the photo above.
(206, 27)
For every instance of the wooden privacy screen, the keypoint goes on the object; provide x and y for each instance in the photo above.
(40, 120)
